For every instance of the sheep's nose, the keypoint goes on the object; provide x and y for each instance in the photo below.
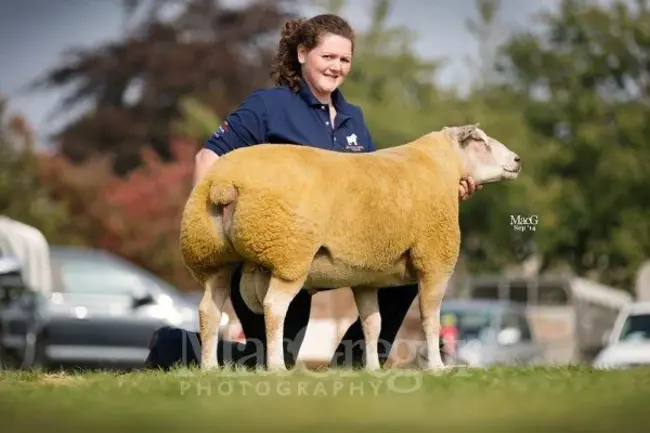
(517, 159)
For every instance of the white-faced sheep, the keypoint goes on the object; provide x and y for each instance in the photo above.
(318, 219)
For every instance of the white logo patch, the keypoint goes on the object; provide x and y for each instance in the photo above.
(352, 143)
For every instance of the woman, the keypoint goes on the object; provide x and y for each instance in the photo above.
(307, 108)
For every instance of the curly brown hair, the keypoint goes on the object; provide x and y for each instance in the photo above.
(286, 70)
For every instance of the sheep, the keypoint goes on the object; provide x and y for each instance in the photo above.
(298, 217)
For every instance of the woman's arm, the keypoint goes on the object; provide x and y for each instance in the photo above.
(246, 126)
(202, 162)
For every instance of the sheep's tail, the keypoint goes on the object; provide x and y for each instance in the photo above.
(254, 280)
(205, 245)
(220, 202)
(222, 194)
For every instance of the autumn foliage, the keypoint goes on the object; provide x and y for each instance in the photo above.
(135, 216)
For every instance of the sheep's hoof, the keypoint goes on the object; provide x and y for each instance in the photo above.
(373, 367)
(209, 366)
(437, 371)
(277, 369)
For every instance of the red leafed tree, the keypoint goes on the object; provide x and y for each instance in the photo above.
(135, 216)
(207, 49)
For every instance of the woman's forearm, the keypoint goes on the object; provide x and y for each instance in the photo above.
(202, 162)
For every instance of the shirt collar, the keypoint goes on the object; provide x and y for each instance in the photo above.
(337, 98)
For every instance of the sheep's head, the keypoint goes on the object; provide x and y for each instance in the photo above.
(486, 159)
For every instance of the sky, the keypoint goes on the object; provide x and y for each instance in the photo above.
(34, 35)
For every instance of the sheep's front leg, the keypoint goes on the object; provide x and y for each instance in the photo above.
(217, 290)
(431, 290)
(276, 303)
(368, 306)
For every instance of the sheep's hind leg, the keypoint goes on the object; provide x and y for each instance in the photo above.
(217, 290)
(431, 290)
(276, 304)
(368, 306)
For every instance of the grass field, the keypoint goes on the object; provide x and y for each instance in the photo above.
(495, 400)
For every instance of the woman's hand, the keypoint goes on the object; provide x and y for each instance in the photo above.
(467, 187)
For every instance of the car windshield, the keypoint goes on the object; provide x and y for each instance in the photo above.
(636, 327)
(76, 273)
(95, 278)
(472, 324)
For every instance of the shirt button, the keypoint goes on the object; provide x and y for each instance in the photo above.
(322, 107)
(327, 123)
(334, 138)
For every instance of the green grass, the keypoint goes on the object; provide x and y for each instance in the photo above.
(574, 399)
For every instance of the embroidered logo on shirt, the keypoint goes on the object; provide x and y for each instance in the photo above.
(352, 144)
(223, 128)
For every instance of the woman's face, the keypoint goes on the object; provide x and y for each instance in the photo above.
(326, 66)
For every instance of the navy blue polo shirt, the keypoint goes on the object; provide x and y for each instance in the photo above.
(279, 115)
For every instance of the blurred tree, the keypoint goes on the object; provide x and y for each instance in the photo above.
(330, 6)
(487, 31)
(489, 242)
(136, 215)
(197, 121)
(583, 85)
(23, 194)
(213, 53)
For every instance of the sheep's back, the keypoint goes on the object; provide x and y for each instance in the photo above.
(364, 208)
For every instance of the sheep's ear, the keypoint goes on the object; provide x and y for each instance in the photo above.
(466, 131)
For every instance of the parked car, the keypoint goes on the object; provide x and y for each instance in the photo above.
(628, 343)
(102, 312)
(18, 313)
(492, 333)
